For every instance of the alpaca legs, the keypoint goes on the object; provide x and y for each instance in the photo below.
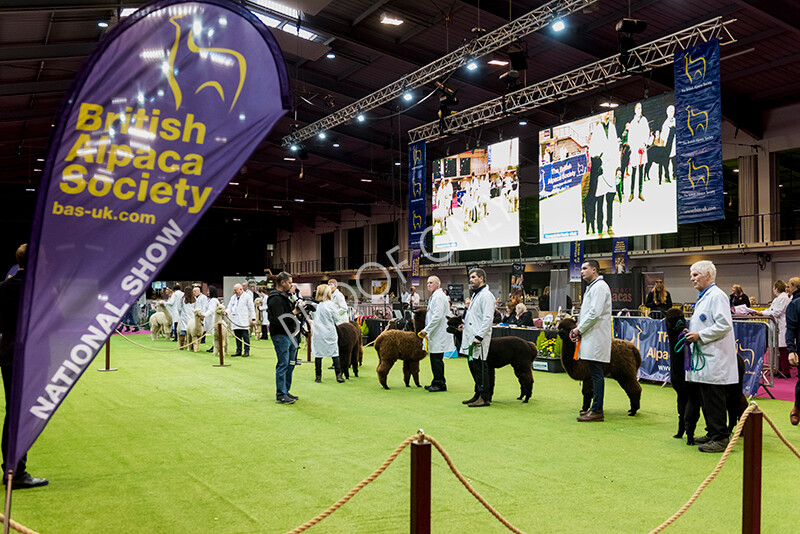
(588, 392)
(337, 366)
(692, 414)
(525, 377)
(384, 366)
(633, 389)
(318, 370)
(683, 397)
(354, 360)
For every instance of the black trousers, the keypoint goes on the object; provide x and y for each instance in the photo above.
(712, 399)
(242, 338)
(8, 375)
(609, 203)
(437, 369)
(483, 375)
(640, 169)
(264, 331)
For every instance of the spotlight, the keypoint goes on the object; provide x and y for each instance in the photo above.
(328, 101)
(523, 122)
(407, 96)
(330, 55)
(512, 80)
(102, 24)
(472, 65)
(361, 117)
(322, 135)
(558, 25)
(294, 148)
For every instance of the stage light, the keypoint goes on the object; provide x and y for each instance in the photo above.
(472, 65)
(328, 101)
(558, 25)
(335, 145)
(626, 28)
(102, 24)
(609, 104)
(322, 135)
(294, 148)
(361, 117)
(391, 21)
(408, 96)
(330, 55)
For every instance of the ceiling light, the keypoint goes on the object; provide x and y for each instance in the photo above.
(32, 189)
(558, 25)
(277, 207)
(294, 148)
(127, 11)
(237, 220)
(322, 135)
(498, 62)
(407, 96)
(289, 159)
(523, 122)
(299, 200)
(472, 65)
(39, 159)
(735, 170)
(102, 24)
(335, 145)
(330, 55)
(37, 170)
(609, 104)
(233, 183)
(268, 21)
(392, 21)
(361, 117)
(397, 163)
(366, 180)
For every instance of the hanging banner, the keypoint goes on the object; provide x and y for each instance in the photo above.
(575, 260)
(165, 111)
(625, 291)
(698, 122)
(619, 254)
(416, 194)
(650, 337)
(415, 267)
(517, 276)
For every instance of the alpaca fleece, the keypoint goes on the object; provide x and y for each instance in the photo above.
(194, 330)
(351, 353)
(507, 350)
(160, 322)
(393, 345)
(623, 367)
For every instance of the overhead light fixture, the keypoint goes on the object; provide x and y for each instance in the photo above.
(236, 220)
(39, 159)
(289, 159)
(322, 135)
(102, 24)
(609, 104)
(735, 170)
(558, 25)
(33, 189)
(408, 96)
(498, 62)
(366, 180)
(330, 55)
(626, 28)
(335, 145)
(397, 163)
(277, 207)
(361, 117)
(523, 122)
(472, 65)
(328, 101)
(518, 56)
(299, 200)
(37, 170)
(294, 148)
(390, 20)
(233, 183)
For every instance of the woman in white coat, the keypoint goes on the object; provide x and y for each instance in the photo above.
(713, 362)
(186, 307)
(439, 340)
(324, 339)
(594, 331)
(777, 310)
(208, 313)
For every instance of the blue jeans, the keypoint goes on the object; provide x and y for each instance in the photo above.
(598, 385)
(286, 350)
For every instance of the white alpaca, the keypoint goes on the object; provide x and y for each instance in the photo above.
(219, 318)
(255, 329)
(194, 330)
(160, 322)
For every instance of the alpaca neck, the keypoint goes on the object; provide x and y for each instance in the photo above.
(568, 355)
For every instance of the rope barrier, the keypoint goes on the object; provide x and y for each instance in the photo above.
(783, 439)
(16, 526)
(125, 337)
(338, 504)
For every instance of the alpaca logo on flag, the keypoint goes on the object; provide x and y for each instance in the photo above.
(417, 221)
(691, 69)
(417, 156)
(698, 124)
(749, 359)
(222, 56)
(698, 178)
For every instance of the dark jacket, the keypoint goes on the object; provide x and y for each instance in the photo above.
(738, 301)
(793, 322)
(10, 294)
(279, 305)
(509, 319)
(526, 319)
(650, 302)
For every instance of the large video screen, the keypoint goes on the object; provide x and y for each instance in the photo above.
(610, 174)
(476, 199)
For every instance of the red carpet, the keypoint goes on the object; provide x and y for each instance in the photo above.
(783, 388)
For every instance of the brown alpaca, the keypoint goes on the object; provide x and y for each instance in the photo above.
(624, 366)
(393, 345)
(194, 330)
(350, 349)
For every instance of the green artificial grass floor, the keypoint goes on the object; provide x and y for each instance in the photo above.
(171, 444)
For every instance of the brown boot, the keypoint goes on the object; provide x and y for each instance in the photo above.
(479, 403)
(339, 377)
(181, 341)
(591, 417)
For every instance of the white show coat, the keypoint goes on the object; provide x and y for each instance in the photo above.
(777, 310)
(478, 322)
(202, 301)
(439, 340)
(605, 145)
(208, 314)
(340, 307)
(324, 338)
(669, 124)
(712, 320)
(638, 135)
(173, 305)
(186, 312)
(241, 311)
(594, 323)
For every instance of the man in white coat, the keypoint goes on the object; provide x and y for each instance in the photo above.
(605, 145)
(172, 307)
(476, 337)
(339, 304)
(713, 364)
(241, 313)
(439, 340)
(594, 331)
(638, 137)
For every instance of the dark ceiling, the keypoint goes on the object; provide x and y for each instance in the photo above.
(43, 44)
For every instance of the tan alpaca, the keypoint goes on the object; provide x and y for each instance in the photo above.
(219, 318)
(160, 322)
(255, 329)
(194, 330)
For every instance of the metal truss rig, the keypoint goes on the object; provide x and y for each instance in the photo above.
(655, 54)
(532, 21)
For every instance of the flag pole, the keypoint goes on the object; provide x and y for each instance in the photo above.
(7, 509)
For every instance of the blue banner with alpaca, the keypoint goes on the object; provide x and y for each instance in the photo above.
(416, 194)
(165, 111)
(751, 345)
(698, 127)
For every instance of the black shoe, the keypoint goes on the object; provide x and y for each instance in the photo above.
(245, 355)
(331, 367)
(27, 481)
(235, 355)
(470, 401)
(295, 397)
(285, 399)
(210, 350)
(714, 446)
(435, 388)
(702, 439)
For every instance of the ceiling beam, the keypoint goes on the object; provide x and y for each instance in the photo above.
(35, 88)
(779, 12)
(10, 54)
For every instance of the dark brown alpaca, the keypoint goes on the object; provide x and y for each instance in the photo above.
(624, 366)
(350, 349)
(393, 345)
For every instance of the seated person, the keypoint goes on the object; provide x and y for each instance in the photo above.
(524, 317)
(511, 317)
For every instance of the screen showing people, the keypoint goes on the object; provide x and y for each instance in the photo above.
(476, 199)
(610, 174)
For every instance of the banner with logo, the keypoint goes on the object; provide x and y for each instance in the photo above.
(625, 291)
(650, 337)
(415, 267)
(416, 193)
(168, 107)
(698, 122)
(575, 260)
(619, 254)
